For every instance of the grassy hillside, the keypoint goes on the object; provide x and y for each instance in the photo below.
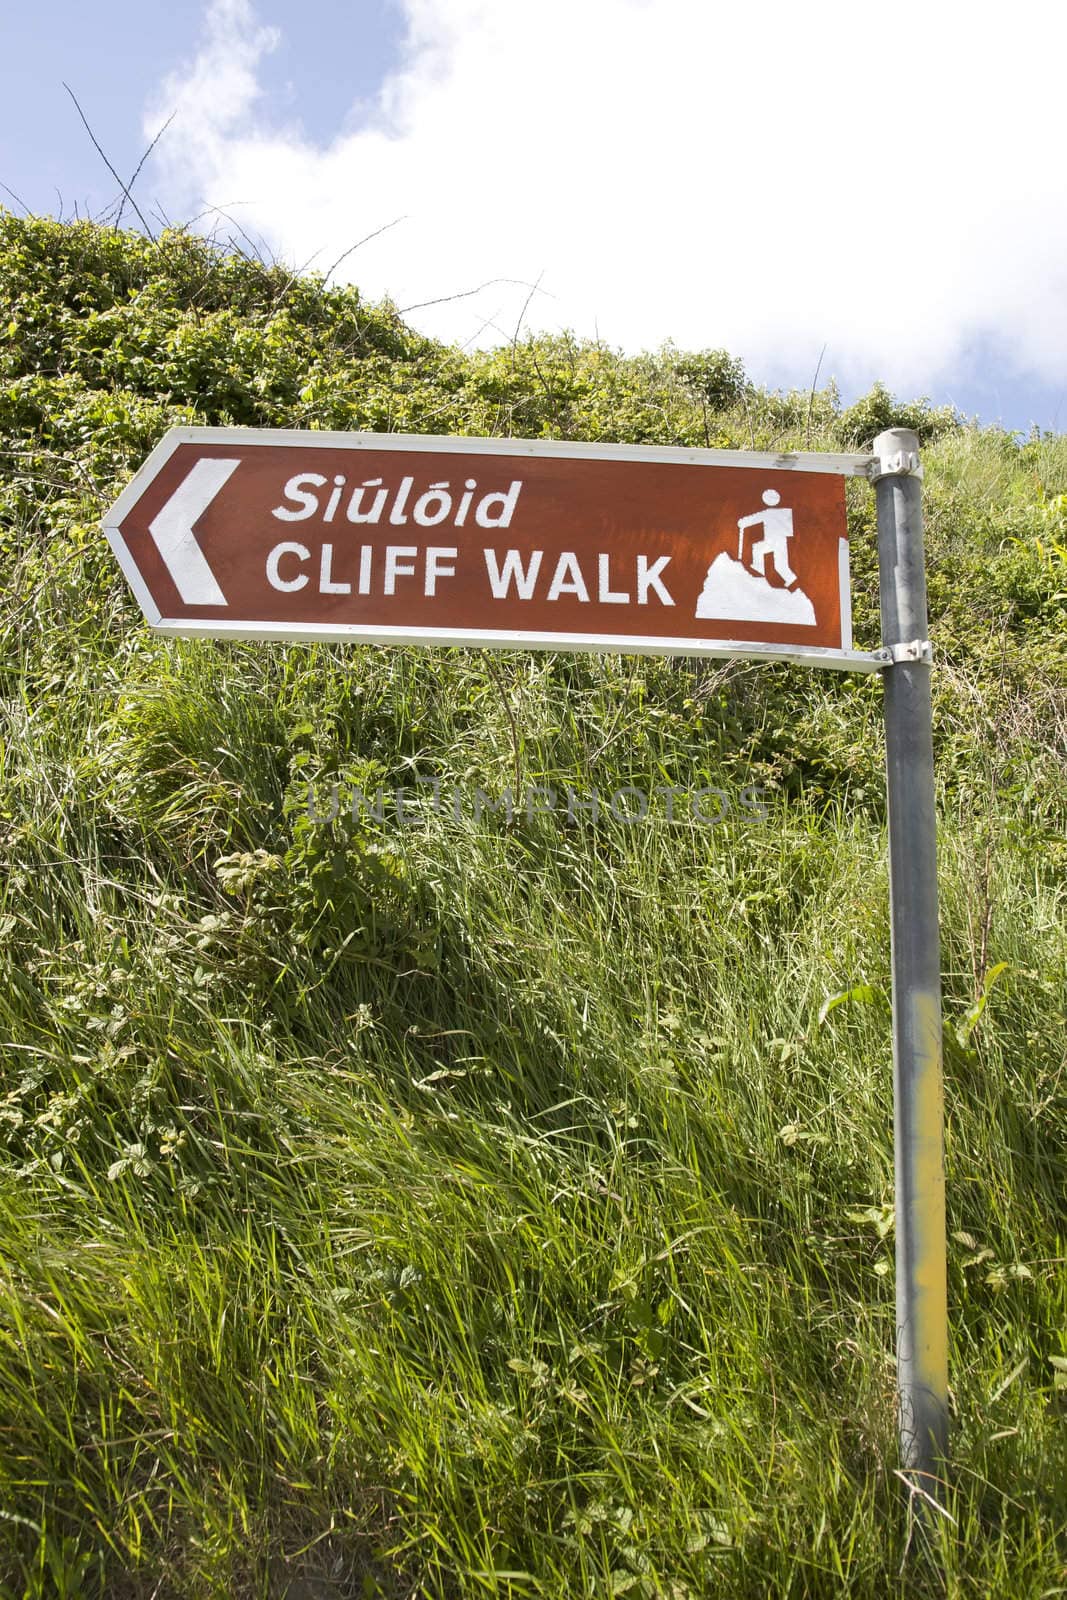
(448, 1208)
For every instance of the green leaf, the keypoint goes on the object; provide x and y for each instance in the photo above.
(866, 994)
(971, 1016)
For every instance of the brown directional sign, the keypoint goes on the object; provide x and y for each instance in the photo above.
(392, 538)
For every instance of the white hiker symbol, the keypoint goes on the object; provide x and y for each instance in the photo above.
(777, 524)
(742, 592)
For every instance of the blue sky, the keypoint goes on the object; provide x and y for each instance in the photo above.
(115, 53)
(637, 170)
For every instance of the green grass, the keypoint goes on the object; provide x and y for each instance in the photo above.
(469, 1210)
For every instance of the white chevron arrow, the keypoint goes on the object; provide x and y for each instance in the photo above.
(172, 531)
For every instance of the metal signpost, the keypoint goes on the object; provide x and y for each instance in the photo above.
(398, 539)
(922, 1300)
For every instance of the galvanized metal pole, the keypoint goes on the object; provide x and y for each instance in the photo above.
(922, 1302)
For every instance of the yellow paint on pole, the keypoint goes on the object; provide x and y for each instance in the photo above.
(928, 1221)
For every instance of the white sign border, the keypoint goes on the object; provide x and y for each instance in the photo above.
(502, 639)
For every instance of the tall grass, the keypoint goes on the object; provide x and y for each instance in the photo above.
(535, 1240)
(456, 1208)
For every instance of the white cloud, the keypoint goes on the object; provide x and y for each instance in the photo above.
(770, 178)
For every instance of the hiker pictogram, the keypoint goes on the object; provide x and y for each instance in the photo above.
(777, 525)
(741, 591)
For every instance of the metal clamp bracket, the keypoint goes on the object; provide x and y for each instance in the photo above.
(898, 464)
(915, 650)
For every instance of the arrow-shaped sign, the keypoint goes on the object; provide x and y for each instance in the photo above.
(394, 538)
(172, 530)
